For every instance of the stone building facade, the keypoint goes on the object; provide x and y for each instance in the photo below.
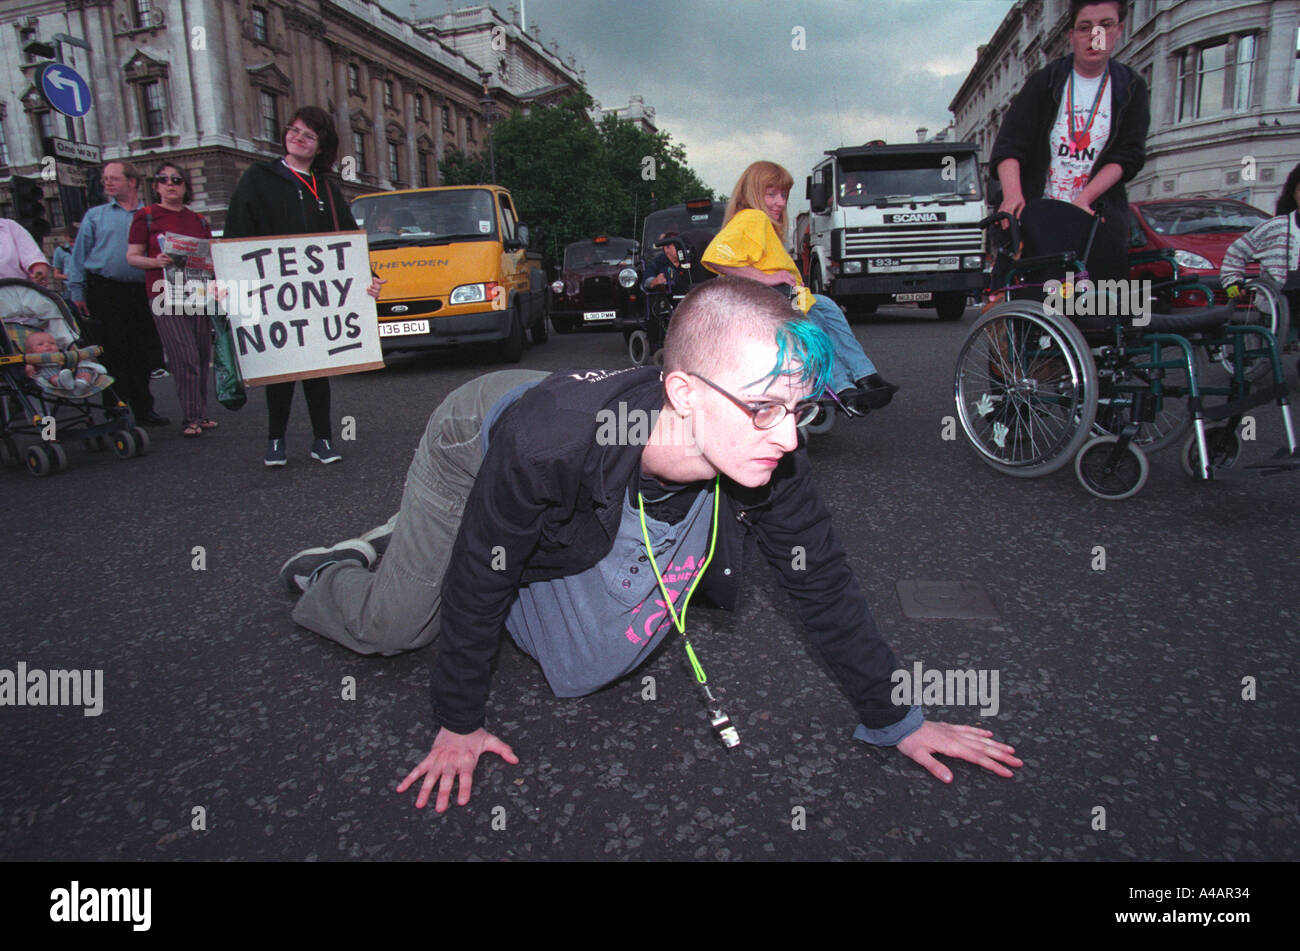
(210, 84)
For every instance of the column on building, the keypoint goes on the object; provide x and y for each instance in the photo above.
(383, 174)
(211, 87)
(436, 121)
(339, 59)
(409, 89)
(1280, 57)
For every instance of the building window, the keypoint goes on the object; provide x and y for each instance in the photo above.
(143, 10)
(259, 24)
(446, 110)
(44, 124)
(419, 105)
(424, 170)
(270, 115)
(1295, 83)
(152, 108)
(359, 150)
(388, 93)
(394, 163)
(1245, 69)
(1217, 78)
(469, 129)
(354, 78)
(4, 147)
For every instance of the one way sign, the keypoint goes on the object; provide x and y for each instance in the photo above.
(65, 90)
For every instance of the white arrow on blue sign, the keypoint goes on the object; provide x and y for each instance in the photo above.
(65, 90)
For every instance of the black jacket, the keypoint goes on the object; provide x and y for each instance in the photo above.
(552, 498)
(269, 200)
(1027, 131)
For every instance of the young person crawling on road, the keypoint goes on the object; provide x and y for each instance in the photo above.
(519, 515)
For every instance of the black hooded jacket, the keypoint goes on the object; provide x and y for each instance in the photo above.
(550, 496)
(1027, 131)
(270, 200)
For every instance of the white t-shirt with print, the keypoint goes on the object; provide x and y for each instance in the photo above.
(1071, 168)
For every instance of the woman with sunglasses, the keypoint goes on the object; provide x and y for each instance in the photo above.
(186, 336)
(292, 195)
(751, 244)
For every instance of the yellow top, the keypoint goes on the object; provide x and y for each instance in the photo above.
(749, 240)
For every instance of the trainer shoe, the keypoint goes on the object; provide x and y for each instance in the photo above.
(322, 451)
(275, 455)
(159, 374)
(301, 571)
(381, 536)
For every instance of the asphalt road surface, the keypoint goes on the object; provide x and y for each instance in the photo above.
(1154, 701)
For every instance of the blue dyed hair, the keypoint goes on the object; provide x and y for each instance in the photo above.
(805, 352)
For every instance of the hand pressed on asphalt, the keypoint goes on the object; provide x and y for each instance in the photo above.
(965, 742)
(454, 755)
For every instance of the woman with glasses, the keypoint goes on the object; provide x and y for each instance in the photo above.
(751, 244)
(171, 279)
(296, 194)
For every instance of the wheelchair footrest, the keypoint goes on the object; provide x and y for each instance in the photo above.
(1284, 460)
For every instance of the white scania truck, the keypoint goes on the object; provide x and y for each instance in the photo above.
(896, 222)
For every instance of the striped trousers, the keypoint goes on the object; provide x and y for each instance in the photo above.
(187, 338)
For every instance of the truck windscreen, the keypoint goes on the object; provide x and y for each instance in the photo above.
(426, 217)
(869, 180)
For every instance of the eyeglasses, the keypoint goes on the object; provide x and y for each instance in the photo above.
(304, 134)
(1085, 28)
(769, 415)
(169, 180)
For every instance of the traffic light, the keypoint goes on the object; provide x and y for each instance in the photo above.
(29, 207)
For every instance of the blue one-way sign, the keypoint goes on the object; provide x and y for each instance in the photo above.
(65, 90)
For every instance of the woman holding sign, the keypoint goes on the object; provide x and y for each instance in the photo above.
(288, 196)
(156, 244)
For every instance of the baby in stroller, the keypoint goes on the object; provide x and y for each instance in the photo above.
(80, 379)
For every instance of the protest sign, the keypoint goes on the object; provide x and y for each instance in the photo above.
(298, 306)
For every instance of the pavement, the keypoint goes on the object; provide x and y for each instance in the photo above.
(1154, 701)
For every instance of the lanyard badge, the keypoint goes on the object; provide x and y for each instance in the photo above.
(721, 723)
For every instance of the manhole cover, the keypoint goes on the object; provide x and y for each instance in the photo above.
(945, 599)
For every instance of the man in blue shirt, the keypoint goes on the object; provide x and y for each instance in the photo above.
(102, 284)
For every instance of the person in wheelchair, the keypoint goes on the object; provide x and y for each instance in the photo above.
(1077, 132)
(665, 273)
(751, 244)
(1274, 244)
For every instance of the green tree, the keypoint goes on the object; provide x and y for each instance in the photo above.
(572, 179)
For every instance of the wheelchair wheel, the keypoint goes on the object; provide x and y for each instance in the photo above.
(1222, 444)
(1026, 389)
(638, 348)
(822, 423)
(1265, 306)
(1111, 480)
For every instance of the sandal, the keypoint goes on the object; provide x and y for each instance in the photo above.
(206, 423)
(192, 429)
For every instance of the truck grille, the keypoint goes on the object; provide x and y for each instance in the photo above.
(919, 246)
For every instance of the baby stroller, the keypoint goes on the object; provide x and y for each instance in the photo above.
(53, 416)
(1057, 369)
(646, 343)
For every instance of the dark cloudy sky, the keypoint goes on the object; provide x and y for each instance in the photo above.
(726, 83)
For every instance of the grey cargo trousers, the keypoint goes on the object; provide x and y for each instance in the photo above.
(395, 607)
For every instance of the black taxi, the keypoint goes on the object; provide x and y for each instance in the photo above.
(598, 282)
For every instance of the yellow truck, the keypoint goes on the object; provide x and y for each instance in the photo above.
(457, 267)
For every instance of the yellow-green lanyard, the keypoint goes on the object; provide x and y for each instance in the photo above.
(680, 620)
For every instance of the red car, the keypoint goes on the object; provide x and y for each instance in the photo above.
(1197, 230)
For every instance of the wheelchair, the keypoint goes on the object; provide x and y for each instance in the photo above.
(1060, 369)
(645, 344)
